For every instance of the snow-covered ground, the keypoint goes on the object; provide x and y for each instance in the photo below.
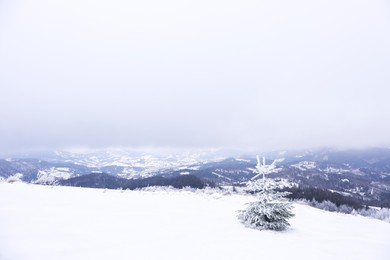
(42, 222)
(305, 165)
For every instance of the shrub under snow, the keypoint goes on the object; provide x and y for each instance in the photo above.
(381, 214)
(15, 178)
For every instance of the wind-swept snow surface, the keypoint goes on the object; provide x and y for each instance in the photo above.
(42, 222)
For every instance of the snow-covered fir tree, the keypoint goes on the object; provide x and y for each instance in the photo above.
(271, 210)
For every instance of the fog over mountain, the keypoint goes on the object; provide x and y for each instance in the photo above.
(261, 75)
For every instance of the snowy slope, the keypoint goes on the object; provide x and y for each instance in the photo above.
(42, 222)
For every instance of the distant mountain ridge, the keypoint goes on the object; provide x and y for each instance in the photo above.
(358, 173)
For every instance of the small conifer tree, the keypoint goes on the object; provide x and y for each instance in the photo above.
(272, 209)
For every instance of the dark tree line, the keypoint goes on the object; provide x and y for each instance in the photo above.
(106, 181)
(321, 195)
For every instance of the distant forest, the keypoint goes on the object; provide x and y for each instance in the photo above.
(106, 181)
(321, 195)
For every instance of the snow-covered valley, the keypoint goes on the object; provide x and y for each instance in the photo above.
(45, 222)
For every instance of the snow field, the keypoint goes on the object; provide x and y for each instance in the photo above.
(43, 222)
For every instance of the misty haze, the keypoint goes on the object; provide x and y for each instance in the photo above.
(194, 74)
(194, 129)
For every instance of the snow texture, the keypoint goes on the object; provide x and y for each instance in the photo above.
(44, 222)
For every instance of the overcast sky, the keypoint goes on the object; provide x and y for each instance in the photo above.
(177, 73)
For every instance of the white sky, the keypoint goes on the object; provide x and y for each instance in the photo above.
(229, 74)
